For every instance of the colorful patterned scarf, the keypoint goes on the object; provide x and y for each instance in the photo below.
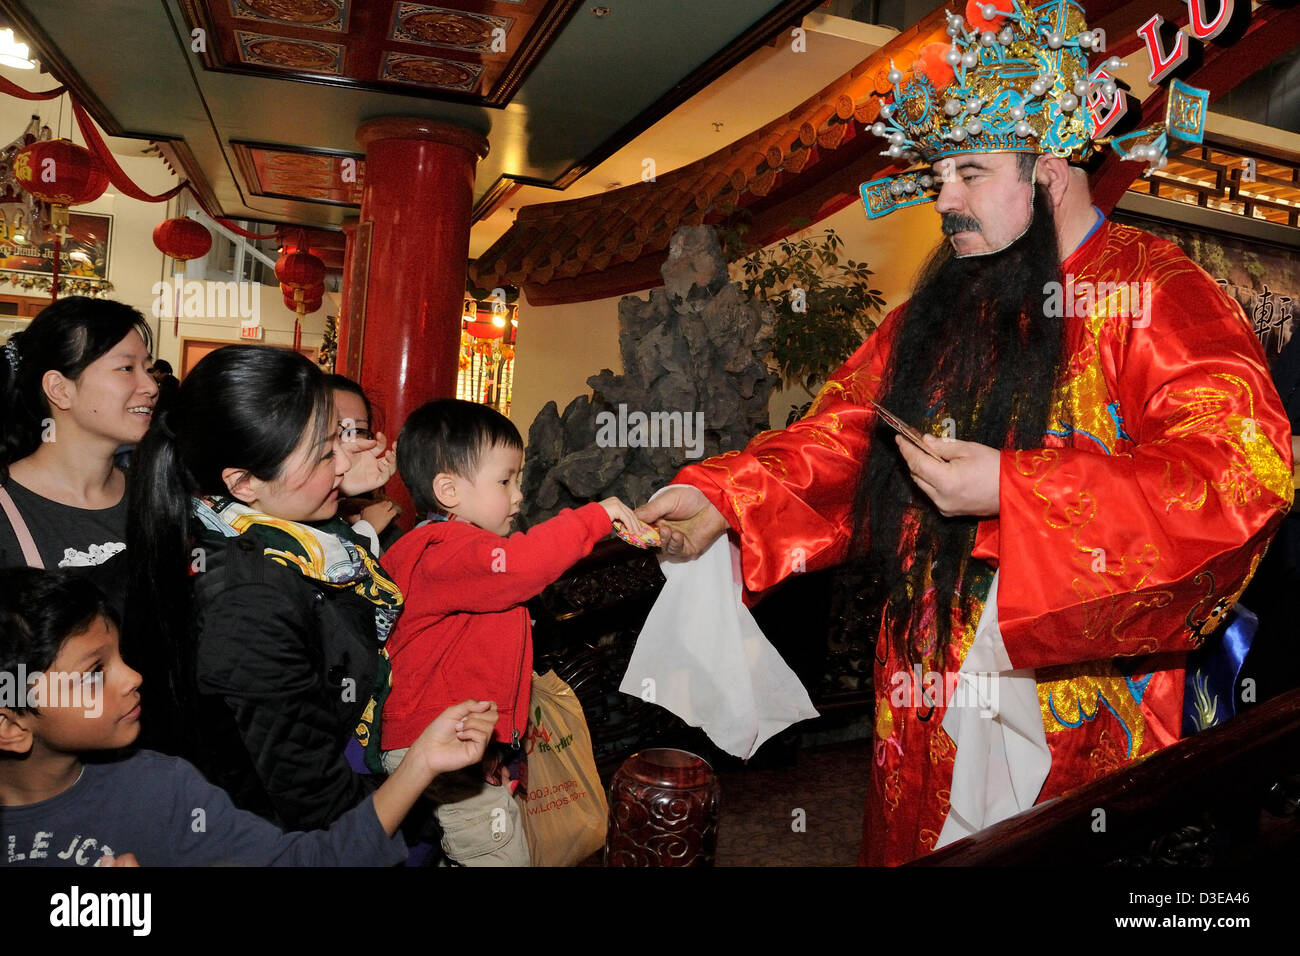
(322, 552)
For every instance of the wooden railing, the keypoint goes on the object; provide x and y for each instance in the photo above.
(1227, 795)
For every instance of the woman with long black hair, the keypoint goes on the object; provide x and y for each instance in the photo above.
(74, 388)
(255, 618)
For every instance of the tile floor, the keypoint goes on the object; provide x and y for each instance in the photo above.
(757, 826)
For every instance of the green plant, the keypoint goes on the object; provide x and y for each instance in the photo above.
(824, 307)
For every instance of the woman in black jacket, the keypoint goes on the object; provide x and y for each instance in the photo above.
(257, 622)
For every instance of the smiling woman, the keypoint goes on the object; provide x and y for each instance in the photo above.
(74, 388)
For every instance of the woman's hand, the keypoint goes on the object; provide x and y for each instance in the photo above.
(373, 463)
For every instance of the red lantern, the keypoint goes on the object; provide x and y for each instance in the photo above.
(182, 239)
(60, 173)
(300, 270)
(309, 303)
(485, 330)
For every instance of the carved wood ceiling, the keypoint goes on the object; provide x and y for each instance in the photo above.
(476, 52)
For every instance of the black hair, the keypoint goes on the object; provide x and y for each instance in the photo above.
(162, 365)
(242, 406)
(39, 611)
(997, 391)
(342, 383)
(65, 337)
(1025, 163)
(448, 435)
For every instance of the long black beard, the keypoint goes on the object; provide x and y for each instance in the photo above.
(976, 346)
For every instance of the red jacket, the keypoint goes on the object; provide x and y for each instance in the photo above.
(464, 631)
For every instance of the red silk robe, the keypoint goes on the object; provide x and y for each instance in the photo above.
(1120, 543)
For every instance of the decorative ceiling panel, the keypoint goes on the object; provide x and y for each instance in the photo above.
(317, 14)
(294, 173)
(475, 51)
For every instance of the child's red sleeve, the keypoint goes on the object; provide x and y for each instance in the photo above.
(483, 573)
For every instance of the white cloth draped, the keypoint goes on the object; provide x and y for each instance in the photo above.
(995, 721)
(702, 656)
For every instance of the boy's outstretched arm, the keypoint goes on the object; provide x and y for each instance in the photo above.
(483, 573)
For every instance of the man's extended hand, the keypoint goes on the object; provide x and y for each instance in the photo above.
(687, 521)
(965, 483)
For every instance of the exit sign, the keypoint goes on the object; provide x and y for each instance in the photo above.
(253, 332)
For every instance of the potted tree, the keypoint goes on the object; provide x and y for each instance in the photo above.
(824, 306)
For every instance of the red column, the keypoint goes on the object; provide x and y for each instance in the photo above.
(343, 361)
(416, 206)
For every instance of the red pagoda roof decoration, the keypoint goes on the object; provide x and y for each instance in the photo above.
(631, 226)
(805, 166)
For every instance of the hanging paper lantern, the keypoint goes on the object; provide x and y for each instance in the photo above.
(300, 270)
(507, 352)
(484, 330)
(60, 173)
(182, 239)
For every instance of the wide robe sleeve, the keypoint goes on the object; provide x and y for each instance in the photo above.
(1143, 547)
(789, 494)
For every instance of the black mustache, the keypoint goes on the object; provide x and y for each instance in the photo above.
(952, 223)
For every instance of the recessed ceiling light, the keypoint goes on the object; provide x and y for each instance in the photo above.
(600, 11)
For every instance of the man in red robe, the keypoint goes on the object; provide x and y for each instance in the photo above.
(1112, 448)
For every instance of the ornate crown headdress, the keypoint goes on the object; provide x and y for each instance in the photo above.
(1013, 80)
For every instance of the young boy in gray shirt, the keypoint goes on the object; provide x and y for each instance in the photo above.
(69, 796)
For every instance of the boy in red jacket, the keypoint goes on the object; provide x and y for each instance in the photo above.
(464, 629)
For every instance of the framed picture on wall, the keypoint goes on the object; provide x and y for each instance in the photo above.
(83, 255)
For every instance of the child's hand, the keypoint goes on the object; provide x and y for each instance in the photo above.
(380, 514)
(122, 859)
(457, 737)
(618, 511)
